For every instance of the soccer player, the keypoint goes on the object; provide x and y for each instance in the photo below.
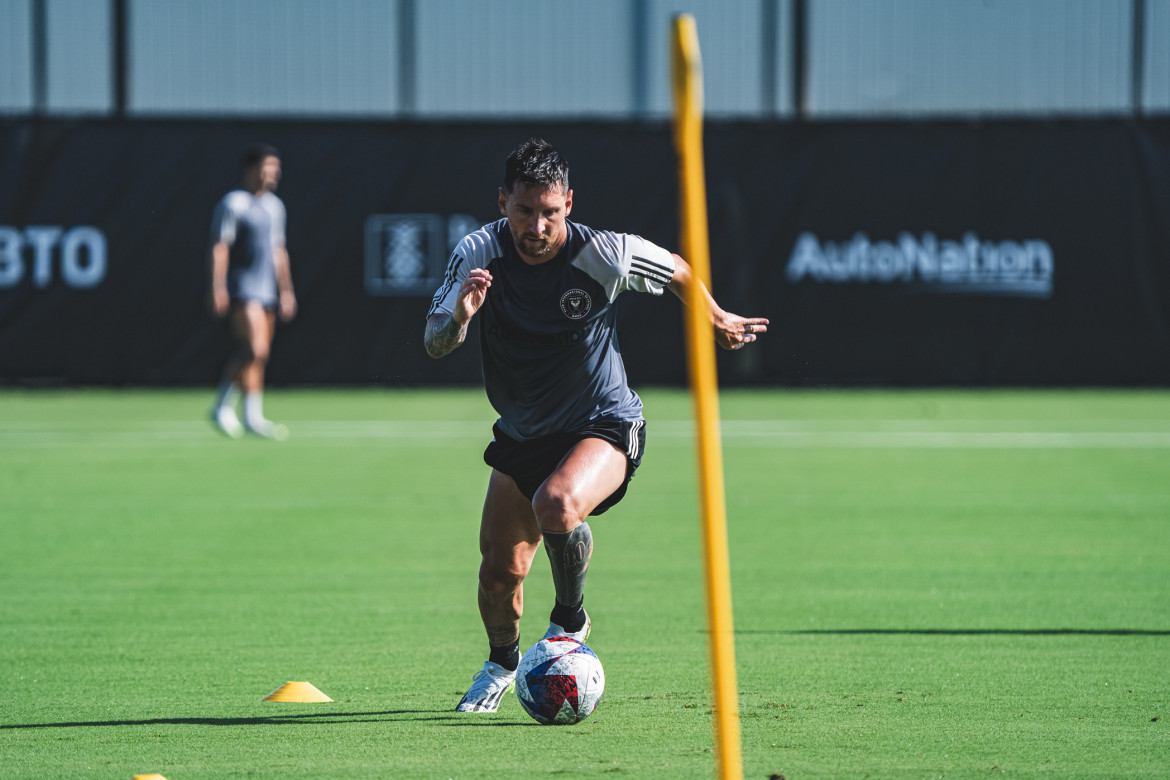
(570, 431)
(250, 282)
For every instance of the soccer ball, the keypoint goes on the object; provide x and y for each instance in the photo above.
(559, 681)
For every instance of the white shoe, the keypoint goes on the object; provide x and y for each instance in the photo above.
(267, 429)
(225, 420)
(580, 636)
(488, 687)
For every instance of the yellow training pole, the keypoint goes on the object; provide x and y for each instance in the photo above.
(687, 71)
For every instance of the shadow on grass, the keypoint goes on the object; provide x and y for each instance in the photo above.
(964, 631)
(308, 718)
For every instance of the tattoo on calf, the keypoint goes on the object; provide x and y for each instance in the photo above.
(569, 555)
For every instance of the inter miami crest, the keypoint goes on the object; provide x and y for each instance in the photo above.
(576, 304)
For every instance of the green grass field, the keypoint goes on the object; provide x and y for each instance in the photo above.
(926, 584)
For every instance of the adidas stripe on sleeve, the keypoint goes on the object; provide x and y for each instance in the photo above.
(653, 270)
(476, 250)
(622, 261)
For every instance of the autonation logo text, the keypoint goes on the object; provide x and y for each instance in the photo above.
(971, 266)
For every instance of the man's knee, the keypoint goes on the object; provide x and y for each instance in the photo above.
(556, 511)
(258, 351)
(253, 349)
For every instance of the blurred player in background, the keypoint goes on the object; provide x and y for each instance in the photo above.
(250, 283)
(570, 433)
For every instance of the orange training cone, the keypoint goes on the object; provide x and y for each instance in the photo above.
(149, 777)
(296, 691)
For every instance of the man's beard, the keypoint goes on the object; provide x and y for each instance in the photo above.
(535, 248)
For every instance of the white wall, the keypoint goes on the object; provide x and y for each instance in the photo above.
(16, 94)
(524, 58)
(80, 61)
(939, 57)
(1156, 60)
(262, 57)
(595, 58)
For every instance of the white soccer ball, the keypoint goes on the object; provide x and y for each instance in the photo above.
(559, 681)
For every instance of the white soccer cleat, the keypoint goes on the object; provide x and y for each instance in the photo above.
(488, 687)
(580, 636)
(225, 420)
(266, 429)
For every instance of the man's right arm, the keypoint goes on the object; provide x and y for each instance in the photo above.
(443, 335)
(731, 330)
(223, 235)
(445, 332)
(220, 302)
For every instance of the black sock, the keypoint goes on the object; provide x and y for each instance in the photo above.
(572, 619)
(507, 656)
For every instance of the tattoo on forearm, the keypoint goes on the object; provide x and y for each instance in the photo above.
(443, 336)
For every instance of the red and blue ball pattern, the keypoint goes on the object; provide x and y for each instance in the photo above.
(559, 681)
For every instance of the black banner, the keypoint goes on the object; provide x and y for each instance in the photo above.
(1000, 253)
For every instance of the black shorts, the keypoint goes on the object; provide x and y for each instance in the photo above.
(529, 463)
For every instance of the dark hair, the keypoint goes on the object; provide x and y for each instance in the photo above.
(536, 162)
(256, 154)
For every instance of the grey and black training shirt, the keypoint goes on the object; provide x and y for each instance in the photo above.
(252, 225)
(551, 361)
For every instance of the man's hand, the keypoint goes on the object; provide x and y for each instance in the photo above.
(733, 331)
(221, 303)
(472, 295)
(288, 306)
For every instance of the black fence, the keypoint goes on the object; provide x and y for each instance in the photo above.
(989, 253)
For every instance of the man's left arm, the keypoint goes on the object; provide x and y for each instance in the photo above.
(284, 285)
(731, 330)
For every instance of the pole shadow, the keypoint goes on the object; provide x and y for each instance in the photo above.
(307, 718)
